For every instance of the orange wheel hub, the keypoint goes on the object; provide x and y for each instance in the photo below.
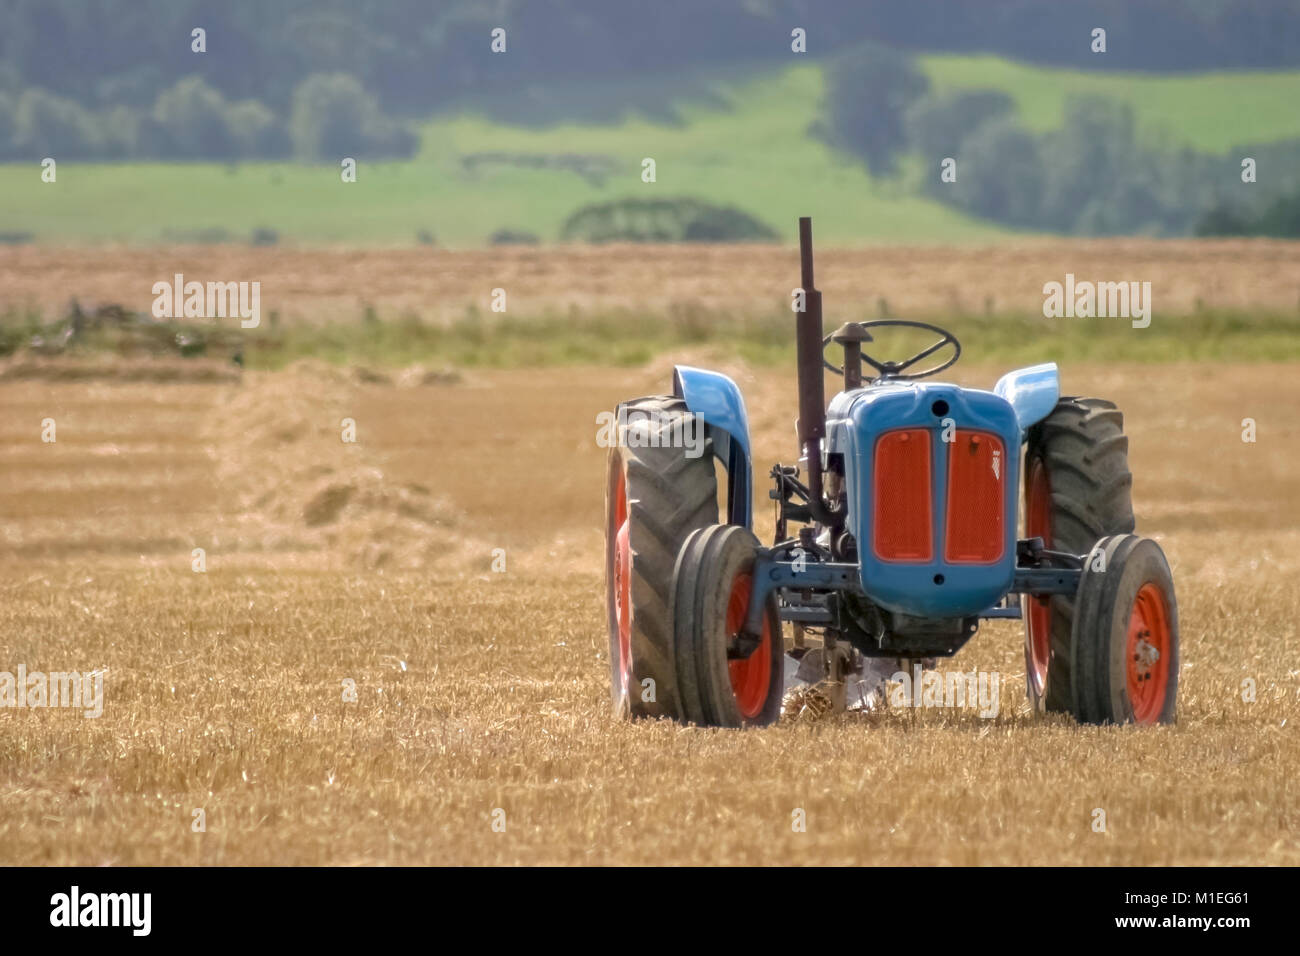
(751, 677)
(1148, 653)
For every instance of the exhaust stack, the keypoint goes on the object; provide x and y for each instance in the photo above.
(812, 390)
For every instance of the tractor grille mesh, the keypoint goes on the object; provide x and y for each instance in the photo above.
(902, 520)
(977, 465)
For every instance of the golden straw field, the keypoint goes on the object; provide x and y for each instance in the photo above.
(480, 689)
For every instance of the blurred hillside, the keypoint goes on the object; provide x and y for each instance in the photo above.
(459, 145)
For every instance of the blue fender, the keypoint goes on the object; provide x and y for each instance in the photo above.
(1033, 392)
(717, 400)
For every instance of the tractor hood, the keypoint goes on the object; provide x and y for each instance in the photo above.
(932, 478)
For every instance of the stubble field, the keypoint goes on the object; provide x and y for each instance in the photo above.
(322, 284)
(479, 690)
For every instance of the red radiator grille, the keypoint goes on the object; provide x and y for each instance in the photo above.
(901, 516)
(977, 469)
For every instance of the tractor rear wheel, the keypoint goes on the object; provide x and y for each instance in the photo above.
(1078, 489)
(721, 684)
(655, 496)
(1125, 662)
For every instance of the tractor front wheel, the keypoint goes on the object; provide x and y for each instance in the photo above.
(1125, 648)
(723, 679)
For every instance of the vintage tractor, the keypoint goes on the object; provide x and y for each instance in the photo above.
(907, 537)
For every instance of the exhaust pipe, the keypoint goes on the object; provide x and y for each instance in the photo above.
(812, 391)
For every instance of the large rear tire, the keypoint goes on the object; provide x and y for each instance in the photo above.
(655, 496)
(1078, 489)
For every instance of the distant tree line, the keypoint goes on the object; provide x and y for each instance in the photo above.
(1093, 176)
(329, 116)
(1279, 218)
(415, 56)
(677, 219)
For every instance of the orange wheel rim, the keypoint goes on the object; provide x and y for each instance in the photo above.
(1148, 653)
(1038, 611)
(623, 582)
(751, 677)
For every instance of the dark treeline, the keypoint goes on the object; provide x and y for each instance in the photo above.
(414, 56)
(1097, 174)
(330, 115)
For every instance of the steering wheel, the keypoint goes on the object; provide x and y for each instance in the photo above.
(897, 370)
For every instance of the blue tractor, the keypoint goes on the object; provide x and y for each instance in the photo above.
(906, 501)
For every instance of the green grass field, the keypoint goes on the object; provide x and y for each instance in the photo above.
(737, 140)
(628, 339)
(478, 341)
